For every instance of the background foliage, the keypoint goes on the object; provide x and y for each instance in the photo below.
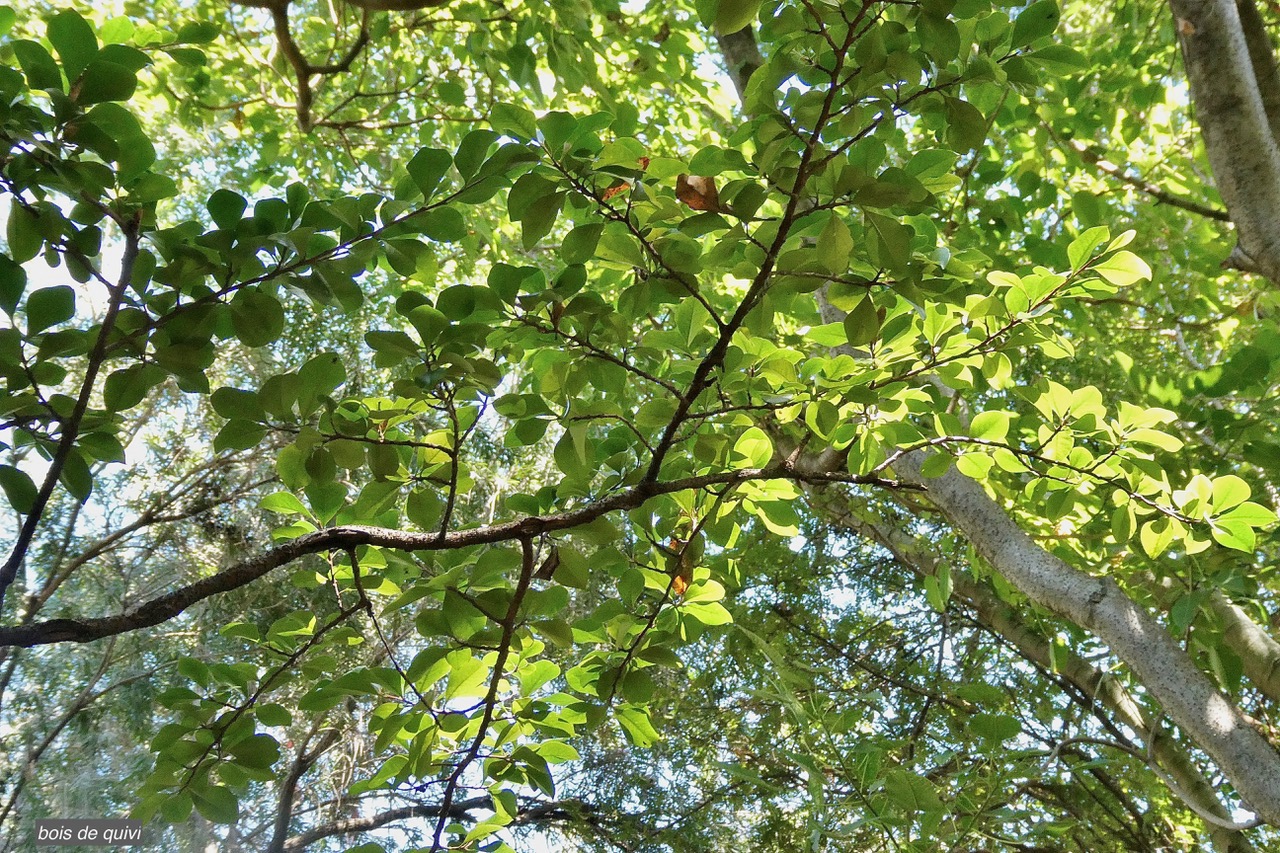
(475, 425)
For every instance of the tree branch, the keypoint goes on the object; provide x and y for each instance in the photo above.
(1098, 605)
(1234, 122)
(351, 826)
(69, 429)
(166, 607)
(1090, 686)
(1093, 158)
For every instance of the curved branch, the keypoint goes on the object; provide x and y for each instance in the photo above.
(1093, 158)
(395, 5)
(166, 607)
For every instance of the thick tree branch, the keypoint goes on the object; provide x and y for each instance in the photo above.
(1262, 57)
(1101, 607)
(1088, 683)
(1098, 604)
(1233, 119)
(741, 57)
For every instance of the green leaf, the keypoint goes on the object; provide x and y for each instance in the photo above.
(580, 244)
(18, 488)
(198, 32)
(514, 121)
(216, 803)
(1034, 22)
(272, 714)
(835, 245)
(127, 387)
(259, 751)
(284, 503)
(1238, 537)
(13, 281)
(256, 317)
(733, 15)
(427, 167)
(1060, 59)
(1156, 536)
(73, 39)
(892, 247)
(994, 727)
(753, 449)
(966, 125)
(536, 674)
(708, 613)
(862, 324)
(48, 307)
(1083, 247)
(637, 726)
(443, 224)
(239, 435)
(38, 65)
(226, 208)
(1228, 491)
(23, 234)
(991, 426)
(104, 80)
(1251, 514)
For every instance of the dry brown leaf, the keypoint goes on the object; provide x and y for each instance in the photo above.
(698, 192)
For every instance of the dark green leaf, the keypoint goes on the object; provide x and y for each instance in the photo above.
(198, 32)
(444, 224)
(39, 66)
(49, 306)
(104, 80)
(580, 244)
(18, 488)
(427, 167)
(862, 324)
(73, 39)
(257, 317)
(13, 281)
(216, 803)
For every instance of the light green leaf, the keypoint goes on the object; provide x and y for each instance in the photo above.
(991, 426)
(1228, 491)
(1123, 269)
(753, 449)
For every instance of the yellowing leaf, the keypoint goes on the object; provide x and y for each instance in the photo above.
(1123, 269)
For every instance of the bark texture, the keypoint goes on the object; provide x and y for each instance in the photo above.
(1236, 91)
(1089, 681)
(1098, 605)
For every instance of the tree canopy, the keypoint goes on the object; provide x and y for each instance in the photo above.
(800, 425)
